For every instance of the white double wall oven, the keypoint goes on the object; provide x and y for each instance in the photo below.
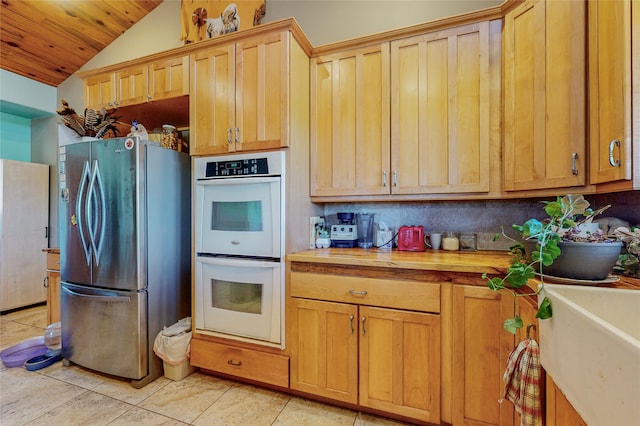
(239, 246)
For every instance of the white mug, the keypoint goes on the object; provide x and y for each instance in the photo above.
(433, 240)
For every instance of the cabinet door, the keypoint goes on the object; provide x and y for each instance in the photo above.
(131, 86)
(527, 308)
(261, 92)
(544, 95)
(350, 118)
(610, 90)
(53, 297)
(99, 91)
(400, 362)
(560, 412)
(440, 111)
(168, 78)
(324, 351)
(480, 350)
(212, 100)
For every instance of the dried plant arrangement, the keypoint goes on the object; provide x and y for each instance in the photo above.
(93, 123)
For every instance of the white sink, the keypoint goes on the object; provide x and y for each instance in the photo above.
(591, 349)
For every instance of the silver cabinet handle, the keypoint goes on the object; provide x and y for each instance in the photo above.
(45, 284)
(237, 134)
(574, 168)
(395, 178)
(363, 320)
(229, 135)
(234, 363)
(384, 178)
(612, 160)
(358, 293)
(351, 324)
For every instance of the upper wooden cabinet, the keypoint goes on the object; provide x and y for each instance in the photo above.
(136, 84)
(412, 116)
(545, 95)
(610, 99)
(350, 120)
(242, 93)
(440, 111)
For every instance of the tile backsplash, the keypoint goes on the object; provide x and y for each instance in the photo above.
(482, 217)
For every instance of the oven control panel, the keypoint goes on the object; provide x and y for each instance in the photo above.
(251, 166)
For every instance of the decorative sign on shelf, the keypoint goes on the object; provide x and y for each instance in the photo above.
(204, 19)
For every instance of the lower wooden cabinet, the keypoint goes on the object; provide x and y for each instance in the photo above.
(559, 411)
(241, 362)
(382, 358)
(52, 283)
(527, 308)
(400, 362)
(481, 348)
(324, 353)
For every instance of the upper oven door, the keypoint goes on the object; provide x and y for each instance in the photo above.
(238, 216)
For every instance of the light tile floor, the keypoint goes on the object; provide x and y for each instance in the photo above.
(59, 395)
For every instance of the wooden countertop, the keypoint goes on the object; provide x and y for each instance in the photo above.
(490, 262)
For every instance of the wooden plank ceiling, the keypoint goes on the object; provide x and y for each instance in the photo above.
(48, 40)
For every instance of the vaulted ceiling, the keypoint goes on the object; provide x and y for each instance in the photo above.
(48, 40)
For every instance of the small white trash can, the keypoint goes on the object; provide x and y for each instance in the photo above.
(172, 346)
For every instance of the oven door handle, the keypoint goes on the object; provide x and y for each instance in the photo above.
(246, 263)
(237, 180)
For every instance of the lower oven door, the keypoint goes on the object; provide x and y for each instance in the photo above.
(239, 298)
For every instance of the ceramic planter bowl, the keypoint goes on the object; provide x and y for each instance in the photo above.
(582, 260)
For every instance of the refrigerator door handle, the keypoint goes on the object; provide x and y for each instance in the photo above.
(97, 219)
(96, 298)
(81, 214)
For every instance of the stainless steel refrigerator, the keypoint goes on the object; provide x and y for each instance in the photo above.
(125, 241)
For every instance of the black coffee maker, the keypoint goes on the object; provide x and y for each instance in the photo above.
(345, 233)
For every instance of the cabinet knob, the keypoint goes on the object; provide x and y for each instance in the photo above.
(234, 363)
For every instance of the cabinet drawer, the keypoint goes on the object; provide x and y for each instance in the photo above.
(247, 363)
(53, 261)
(400, 294)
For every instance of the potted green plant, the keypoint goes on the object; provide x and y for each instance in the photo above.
(628, 263)
(564, 232)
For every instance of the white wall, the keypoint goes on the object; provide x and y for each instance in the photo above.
(329, 21)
